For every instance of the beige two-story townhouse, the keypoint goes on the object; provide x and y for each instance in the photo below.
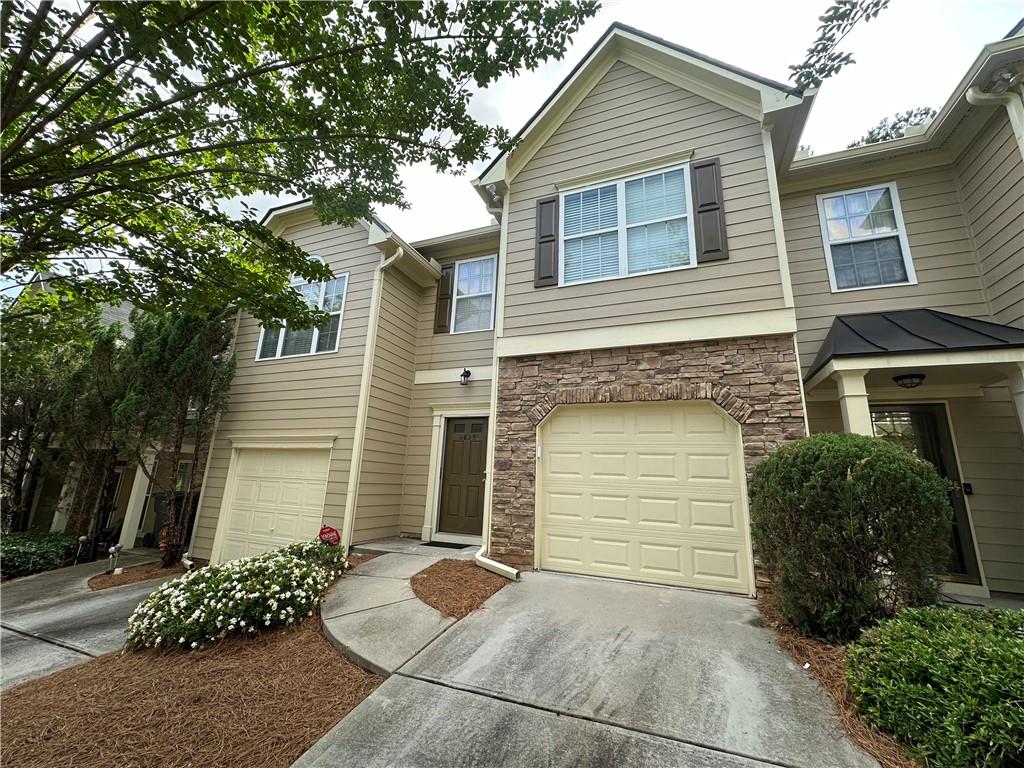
(668, 296)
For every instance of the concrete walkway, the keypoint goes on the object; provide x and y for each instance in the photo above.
(51, 621)
(373, 617)
(563, 671)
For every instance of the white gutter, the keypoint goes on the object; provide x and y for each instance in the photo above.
(355, 465)
(481, 557)
(1010, 98)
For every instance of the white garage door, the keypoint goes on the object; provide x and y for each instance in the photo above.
(644, 491)
(277, 498)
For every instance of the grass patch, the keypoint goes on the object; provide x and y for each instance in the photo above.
(947, 682)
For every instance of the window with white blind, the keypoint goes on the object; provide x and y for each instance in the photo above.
(473, 300)
(865, 238)
(282, 341)
(628, 227)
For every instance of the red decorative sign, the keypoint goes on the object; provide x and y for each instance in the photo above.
(329, 535)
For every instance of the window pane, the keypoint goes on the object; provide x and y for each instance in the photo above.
(834, 207)
(328, 339)
(311, 293)
(856, 203)
(883, 222)
(590, 210)
(473, 313)
(475, 277)
(873, 262)
(334, 294)
(660, 196)
(838, 230)
(588, 258)
(269, 346)
(657, 246)
(880, 199)
(297, 341)
(860, 226)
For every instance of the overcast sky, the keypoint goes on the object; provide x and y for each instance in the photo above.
(912, 55)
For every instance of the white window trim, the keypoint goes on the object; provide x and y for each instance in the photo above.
(455, 293)
(316, 331)
(901, 234)
(622, 227)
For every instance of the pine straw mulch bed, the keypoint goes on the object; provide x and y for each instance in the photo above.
(456, 587)
(243, 702)
(826, 664)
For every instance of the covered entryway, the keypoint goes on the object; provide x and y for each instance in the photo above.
(276, 497)
(646, 491)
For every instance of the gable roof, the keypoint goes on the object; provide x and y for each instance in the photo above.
(910, 330)
(733, 86)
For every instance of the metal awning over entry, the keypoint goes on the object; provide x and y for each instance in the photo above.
(910, 331)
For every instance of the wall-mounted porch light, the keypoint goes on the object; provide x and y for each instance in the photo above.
(464, 376)
(909, 380)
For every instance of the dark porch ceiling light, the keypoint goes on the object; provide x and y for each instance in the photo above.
(464, 376)
(909, 380)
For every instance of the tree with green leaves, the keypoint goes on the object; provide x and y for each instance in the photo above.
(125, 127)
(823, 60)
(894, 127)
(39, 353)
(179, 368)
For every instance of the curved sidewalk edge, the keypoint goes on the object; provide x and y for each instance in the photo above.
(373, 618)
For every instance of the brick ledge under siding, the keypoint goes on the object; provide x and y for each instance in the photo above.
(754, 379)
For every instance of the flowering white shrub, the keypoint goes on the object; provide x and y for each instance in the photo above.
(239, 597)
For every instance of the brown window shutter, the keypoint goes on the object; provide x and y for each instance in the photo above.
(545, 265)
(708, 210)
(443, 307)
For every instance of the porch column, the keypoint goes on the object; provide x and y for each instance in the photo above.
(68, 491)
(1016, 382)
(133, 513)
(853, 400)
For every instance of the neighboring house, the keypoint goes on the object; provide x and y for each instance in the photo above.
(667, 298)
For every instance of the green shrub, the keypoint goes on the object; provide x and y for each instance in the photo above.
(22, 554)
(238, 597)
(947, 682)
(849, 528)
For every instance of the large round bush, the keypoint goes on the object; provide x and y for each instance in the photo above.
(949, 683)
(238, 597)
(849, 528)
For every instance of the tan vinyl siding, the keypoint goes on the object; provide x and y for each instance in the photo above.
(314, 395)
(629, 117)
(451, 350)
(382, 475)
(940, 247)
(988, 443)
(991, 180)
(417, 460)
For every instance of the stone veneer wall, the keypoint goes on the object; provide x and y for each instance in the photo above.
(756, 380)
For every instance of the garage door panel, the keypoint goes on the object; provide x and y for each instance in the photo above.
(647, 491)
(278, 498)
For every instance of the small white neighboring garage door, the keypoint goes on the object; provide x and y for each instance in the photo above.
(644, 491)
(277, 497)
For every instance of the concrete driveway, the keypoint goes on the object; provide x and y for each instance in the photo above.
(52, 621)
(563, 670)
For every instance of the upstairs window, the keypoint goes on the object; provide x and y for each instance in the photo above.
(628, 227)
(473, 304)
(282, 341)
(865, 239)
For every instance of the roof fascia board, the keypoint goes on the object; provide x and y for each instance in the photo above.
(939, 129)
(824, 178)
(988, 356)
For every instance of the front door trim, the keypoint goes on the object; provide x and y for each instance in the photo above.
(432, 508)
(950, 587)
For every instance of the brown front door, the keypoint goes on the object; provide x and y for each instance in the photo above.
(923, 429)
(462, 476)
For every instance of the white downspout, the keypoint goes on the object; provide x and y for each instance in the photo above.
(355, 465)
(481, 557)
(1011, 98)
